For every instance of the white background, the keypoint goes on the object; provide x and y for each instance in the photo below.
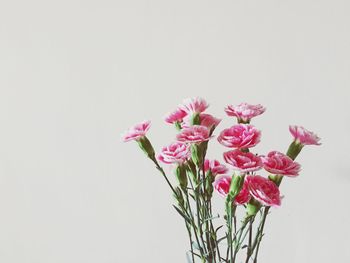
(76, 74)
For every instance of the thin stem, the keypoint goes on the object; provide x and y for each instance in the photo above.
(164, 175)
(194, 225)
(198, 220)
(249, 240)
(260, 233)
(191, 242)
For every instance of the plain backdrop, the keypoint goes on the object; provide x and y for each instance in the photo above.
(75, 74)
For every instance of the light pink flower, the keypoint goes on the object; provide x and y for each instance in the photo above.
(242, 161)
(176, 116)
(206, 120)
(244, 111)
(279, 163)
(304, 136)
(215, 167)
(194, 105)
(222, 186)
(175, 153)
(136, 132)
(240, 136)
(264, 190)
(194, 134)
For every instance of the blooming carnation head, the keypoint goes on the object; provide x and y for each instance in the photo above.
(304, 136)
(263, 190)
(194, 105)
(194, 134)
(222, 186)
(243, 161)
(175, 153)
(244, 111)
(240, 136)
(215, 167)
(175, 116)
(136, 132)
(278, 163)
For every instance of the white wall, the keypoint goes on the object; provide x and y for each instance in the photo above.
(75, 74)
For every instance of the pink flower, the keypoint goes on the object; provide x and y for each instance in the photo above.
(175, 153)
(194, 105)
(206, 120)
(194, 134)
(263, 190)
(137, 132)
(222, 186)
(244, 162)
(176, 116)
(215, 167)
(240, 136)
(303, 136)
(281, 164)
(244, 111)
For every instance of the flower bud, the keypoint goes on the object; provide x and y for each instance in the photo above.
(235, 186)
(197, 155)
(209, 180)
(181, 176)
(253, 208)
(191, 168)
(179, 197)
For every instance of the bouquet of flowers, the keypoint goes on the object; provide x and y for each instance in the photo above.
(240, 182)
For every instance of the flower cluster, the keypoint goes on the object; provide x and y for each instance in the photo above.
(241, 182)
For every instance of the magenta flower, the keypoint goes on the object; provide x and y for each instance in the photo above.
(263, 190)
(279, 163)
(244, 111)
(304, 136)
(194, 134)
(175, 153)
(215, 167)
(194, 105)
(242, 161)
(176, 116)
(222, 186)
(136, 132)
(240, 136)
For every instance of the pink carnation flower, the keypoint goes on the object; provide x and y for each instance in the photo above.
(279, 163)
(263, 190)
(240, 136)
(215, 167)
(194, 105)
(175, 153)
(222, 186)
(176, 116)
(194, 134)
(303, 136)
(244, 162)
(206, 120)
(244, 111)
(136, 132)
